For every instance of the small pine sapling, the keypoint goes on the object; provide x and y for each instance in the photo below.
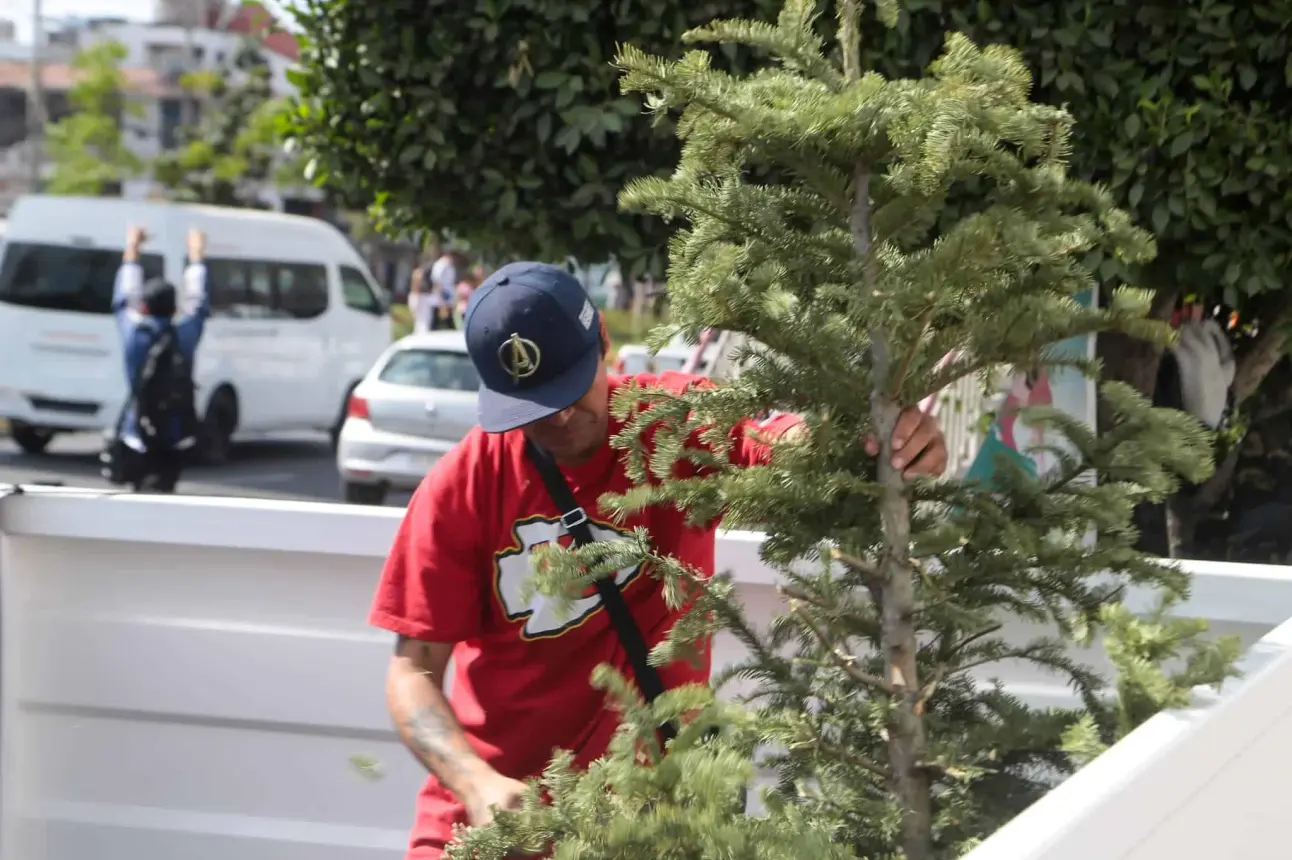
(877, 241)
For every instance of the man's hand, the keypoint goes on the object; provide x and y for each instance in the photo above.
(918, 446)
(135, 238)
(491, 793)
(196, 245)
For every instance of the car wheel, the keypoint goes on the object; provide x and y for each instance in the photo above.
(31, 439)
(364, 494)
(217, 429)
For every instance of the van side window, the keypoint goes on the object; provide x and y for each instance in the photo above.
(358, 293)
(264, 289)
(226, 285)
(238, 288)
(64, 277)
(302, 290)
(261, 281)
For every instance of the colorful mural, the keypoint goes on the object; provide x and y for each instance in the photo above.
(1011, 436)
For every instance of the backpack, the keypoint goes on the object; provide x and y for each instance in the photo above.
(164, 396)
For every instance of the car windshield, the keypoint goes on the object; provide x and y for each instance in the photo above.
(64, 278)
(429, 368)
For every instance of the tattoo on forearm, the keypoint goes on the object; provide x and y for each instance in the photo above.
(436, 739)
(433, 733)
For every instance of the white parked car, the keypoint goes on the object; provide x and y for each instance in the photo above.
(417, 402)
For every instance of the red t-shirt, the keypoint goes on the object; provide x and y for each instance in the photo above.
(520, 684)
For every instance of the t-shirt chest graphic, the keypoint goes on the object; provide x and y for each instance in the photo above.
(521, 537)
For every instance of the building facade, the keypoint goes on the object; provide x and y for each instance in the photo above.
(185, 37)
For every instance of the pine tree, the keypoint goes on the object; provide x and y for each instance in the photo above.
(861, 230)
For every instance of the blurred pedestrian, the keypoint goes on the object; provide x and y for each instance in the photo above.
(158, 424)
(465, 289)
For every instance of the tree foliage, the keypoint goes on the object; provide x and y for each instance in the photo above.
(501, 119)
(236, 145)
(87, 149)
(877, 238)
(497, 119)
(1183, 110)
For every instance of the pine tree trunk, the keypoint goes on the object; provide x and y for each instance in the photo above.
(906, 742)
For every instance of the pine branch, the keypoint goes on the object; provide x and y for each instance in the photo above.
(945, 663)
(899, 381)
(798, 594)
(842, 658)
(855, 759)
(865, 568)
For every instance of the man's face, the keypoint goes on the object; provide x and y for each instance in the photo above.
(573, 435)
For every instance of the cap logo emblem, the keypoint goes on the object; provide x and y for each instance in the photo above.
(520, 357)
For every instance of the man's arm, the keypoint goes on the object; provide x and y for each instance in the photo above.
(428, 727)
(190, 326)
(125, 288)
(918, 446)
(128, 284)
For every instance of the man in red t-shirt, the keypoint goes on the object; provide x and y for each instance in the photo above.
(453, 584)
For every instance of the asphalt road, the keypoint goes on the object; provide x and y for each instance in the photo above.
(298, 467)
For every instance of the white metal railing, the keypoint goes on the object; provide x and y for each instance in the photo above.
(192, 677)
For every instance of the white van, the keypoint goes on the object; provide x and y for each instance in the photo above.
(296, 318)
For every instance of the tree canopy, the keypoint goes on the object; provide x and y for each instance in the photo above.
(235, 144)
(499, 120)
(502, 119)
(87, 149)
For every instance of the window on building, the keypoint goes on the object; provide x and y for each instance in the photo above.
(13, 117)
(172, 114)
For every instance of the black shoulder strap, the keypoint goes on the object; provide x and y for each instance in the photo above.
(164, 338)
(575, 520)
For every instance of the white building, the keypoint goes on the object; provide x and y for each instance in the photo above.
(186, 36)
(171, 50)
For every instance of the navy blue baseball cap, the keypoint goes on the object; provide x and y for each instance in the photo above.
(534, 337)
